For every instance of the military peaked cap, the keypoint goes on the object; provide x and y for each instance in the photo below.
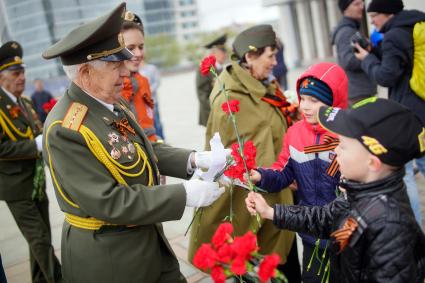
(252, 39)
(217, 42)
(98, 39)
(11, 56)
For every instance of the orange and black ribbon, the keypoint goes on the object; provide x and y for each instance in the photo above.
(329, 143)
(123, 127)
(279, 100)
(343, 235)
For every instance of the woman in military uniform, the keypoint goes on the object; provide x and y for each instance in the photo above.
(261, 120)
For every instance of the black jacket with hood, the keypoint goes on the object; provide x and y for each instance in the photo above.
(394, 69)
(387, 246)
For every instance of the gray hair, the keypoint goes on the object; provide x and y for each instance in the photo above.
(71, 71)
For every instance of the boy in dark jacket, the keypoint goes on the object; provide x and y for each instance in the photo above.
(374, 235)
(308, 151)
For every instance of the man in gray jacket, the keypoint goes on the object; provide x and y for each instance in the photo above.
(360, 86)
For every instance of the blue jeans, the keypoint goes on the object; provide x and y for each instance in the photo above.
(412, 192)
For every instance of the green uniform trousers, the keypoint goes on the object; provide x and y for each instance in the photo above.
(32, 218)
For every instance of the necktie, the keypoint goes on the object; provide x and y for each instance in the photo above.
(119, 112)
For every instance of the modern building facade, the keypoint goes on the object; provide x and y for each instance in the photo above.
(37, 24)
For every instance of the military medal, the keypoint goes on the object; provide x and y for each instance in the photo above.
(131, 148)
(115, 153)
(13, 111)
(113, 138)
(124, 149)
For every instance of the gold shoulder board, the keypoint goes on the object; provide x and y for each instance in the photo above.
(75, 116)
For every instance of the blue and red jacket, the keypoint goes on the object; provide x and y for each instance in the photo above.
(315, 186)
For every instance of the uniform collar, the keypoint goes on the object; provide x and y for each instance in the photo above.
(11, 96)
(108, 106)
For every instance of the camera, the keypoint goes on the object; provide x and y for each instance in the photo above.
(361, 40)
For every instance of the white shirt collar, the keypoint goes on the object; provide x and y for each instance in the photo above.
(11, 96)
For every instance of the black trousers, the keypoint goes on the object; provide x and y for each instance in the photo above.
(310, 276)
(32, 218)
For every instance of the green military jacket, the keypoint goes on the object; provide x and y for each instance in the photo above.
(18, 150)
(266, 126)
(204, 86)
(85, 187)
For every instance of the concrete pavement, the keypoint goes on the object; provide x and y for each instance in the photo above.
(179, 112)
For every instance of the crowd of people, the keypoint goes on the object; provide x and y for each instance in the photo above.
(337, 167)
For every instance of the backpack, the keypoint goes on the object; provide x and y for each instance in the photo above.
(417, 80)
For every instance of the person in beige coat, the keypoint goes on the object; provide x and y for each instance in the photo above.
(247, 80)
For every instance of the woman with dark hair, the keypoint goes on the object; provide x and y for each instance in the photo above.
(262, 118)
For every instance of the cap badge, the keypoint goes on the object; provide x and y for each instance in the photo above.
(422, 140)
(17, 59)
(129, 16)
(14, 45)
(374, 146)
(252, 48)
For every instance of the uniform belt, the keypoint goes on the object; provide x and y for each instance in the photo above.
(89, 223)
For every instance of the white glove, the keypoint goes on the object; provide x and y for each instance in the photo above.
(39, 143)
(200, 193)
(203, 159)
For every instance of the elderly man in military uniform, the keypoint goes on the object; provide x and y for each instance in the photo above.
(21, 169)
(106, 172)
(204, 84)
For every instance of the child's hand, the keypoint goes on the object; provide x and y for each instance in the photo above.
(256, 203)
(254, 176)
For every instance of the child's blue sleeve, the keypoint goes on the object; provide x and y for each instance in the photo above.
(274, 181)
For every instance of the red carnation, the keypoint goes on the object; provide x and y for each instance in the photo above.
(235, 172)
(222, 234)
(225, 253)
(205, 257)
(244, 246)
(231, 106)
(48, 106)
(249, 152)
(207, 64)
(268, 266)
(238, 266)
(217, 274)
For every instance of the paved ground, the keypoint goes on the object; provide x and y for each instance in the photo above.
(179, 110)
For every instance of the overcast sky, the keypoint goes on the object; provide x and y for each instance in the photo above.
(218, 13)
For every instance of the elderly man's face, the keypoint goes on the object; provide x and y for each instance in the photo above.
(106, 83)
(13, 81)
